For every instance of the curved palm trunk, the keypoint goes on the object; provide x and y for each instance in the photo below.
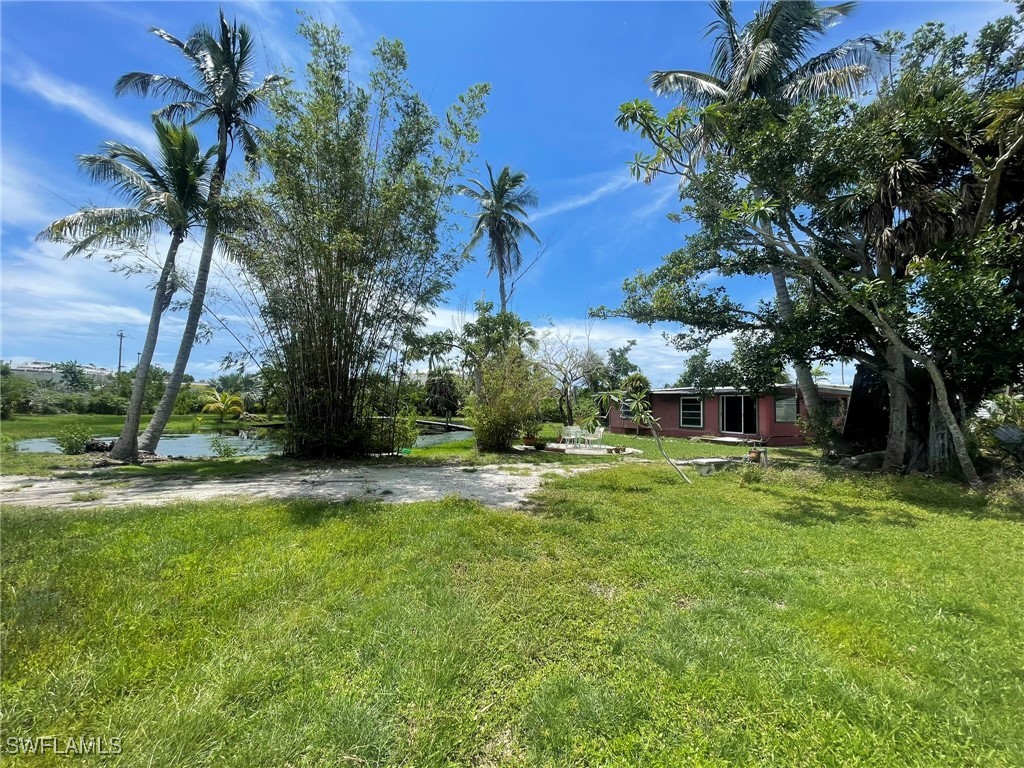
(804, 377)
(127, 446)
(956, 435)
(151, 437)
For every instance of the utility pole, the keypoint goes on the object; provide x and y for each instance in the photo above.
(120, 346)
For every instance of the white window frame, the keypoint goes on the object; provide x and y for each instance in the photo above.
(700, 403)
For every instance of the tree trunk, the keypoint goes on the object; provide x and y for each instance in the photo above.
(804, 378)
(155, 430)
(940, 450)
(126, 448)
(956, 435)
(895, 377)
(502, 294)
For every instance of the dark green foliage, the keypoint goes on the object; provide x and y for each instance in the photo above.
(14, 391)
(443, 393)
(704, 373)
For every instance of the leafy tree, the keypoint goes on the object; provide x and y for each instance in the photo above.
(765, 60)
(874, 207)
(502, 220)
(222, 92)
(156, 378)
(509, 402)
(347, 239)
(618, 364)
(168, 190)
(73, 377)
(637, 385)
(13, 391)
(489, 335)
(705, 374)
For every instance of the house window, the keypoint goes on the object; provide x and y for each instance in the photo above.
(625, 412)
(785, 410)
(738, 414)
(691, 413)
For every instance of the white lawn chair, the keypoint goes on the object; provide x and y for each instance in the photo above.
(571, 435)
(593, 437)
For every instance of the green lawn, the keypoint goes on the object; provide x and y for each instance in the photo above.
(21, 426)
(784, 618)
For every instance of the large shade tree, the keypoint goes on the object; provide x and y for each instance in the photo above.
(224, 92)
(168, 190)
(502, 219)
(769, 58)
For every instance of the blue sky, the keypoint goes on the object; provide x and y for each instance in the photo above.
(558, 73)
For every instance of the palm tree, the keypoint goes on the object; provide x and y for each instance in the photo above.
(224, 403)
(503, 207)
(768, 59)
(221, 63)
(170, 191)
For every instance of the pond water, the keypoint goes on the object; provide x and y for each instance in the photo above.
(252, 442)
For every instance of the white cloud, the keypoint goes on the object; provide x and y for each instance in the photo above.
(660, 361)
(74, 98)
(617, 184)
(23, 201)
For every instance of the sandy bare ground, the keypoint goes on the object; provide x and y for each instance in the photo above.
(494, 485)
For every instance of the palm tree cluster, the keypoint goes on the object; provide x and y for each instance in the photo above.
(178, 190)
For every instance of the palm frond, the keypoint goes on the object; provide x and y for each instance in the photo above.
(828, 82)
(698, 87)
(726, 42)
(93, 228)
(161, 86)
(126, 181)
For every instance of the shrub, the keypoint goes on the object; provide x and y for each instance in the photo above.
(108, 403)
(511, 394)
(190, 399)
(222, 449)
(73, 437)
(392, 435)
(821, 432)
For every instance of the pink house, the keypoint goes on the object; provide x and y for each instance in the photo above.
(731, 412)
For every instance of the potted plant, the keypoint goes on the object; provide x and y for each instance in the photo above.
(531, 425)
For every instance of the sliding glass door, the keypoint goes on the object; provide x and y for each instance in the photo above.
(738, 414)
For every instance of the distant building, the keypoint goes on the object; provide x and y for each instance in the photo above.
(732, 412)
(38, 370)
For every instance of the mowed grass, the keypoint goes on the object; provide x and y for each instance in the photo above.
(780, 618)
(22, 426)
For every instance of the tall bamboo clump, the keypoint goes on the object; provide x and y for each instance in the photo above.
(348, 242)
